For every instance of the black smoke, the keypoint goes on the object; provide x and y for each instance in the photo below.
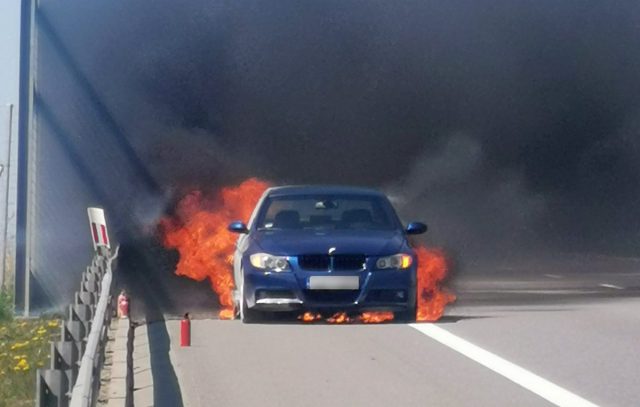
(505, 125)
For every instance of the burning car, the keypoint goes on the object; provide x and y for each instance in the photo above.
(324, 249)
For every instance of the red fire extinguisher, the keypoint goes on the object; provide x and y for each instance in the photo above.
(123, 305)
(185, 331)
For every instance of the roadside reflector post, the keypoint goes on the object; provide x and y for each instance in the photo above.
(99, 232)
(185, 331)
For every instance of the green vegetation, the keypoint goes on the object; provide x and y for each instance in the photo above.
(6, 305)
(24, 347)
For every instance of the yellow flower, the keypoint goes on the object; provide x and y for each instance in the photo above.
(22, 324)
(22, 365)
(52, 324)
(41, 331)
(16, 357)
(19, 345)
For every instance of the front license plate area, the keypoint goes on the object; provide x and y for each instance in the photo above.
(333, 283)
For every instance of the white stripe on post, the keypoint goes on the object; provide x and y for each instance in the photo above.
(98, 226)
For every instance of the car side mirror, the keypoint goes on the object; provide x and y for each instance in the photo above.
(238, 227)
(416, 228)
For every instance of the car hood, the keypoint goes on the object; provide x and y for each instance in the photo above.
(293, 243)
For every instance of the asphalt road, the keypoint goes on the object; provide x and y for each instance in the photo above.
(568, 328)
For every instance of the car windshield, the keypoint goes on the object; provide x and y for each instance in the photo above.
(347, 212)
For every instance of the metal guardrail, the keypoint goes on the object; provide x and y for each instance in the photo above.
(88, 377)
(73, 378)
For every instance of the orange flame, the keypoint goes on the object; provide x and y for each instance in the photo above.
(310, 317)
(198, 231)
(339, 318)
(226, 313)
(344, 318)
(376, 317)
(431, 297)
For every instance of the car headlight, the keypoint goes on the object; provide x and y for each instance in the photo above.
(399, 261)
(269, 262)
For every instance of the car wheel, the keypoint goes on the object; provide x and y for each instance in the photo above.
(408, 315)
(248, 316)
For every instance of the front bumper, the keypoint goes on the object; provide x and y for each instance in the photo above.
(379, 290)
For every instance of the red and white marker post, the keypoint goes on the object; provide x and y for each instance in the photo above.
(98, 225)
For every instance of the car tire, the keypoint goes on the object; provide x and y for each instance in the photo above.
(408, 315)
(248, 316)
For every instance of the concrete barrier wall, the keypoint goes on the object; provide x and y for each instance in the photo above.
(82, 158)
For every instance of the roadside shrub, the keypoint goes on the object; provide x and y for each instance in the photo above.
(24, 347)
(6, 304)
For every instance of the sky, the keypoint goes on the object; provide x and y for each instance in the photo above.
(9, 50)
(9, 69)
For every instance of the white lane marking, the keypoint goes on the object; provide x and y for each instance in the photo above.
(530, 381)
(553, 275)
(616, 287)
(545, 292)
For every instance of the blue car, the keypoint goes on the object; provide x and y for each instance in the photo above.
(324, 249)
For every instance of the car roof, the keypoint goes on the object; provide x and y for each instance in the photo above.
(289, 190)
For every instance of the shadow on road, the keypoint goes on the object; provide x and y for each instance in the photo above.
(146, 271)
(452, 319)
(166, 390)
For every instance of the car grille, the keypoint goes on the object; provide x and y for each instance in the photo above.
(314, 262)
(340, 261)
(348, 262)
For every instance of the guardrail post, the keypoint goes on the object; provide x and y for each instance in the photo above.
(90, 282)
(86, 297)
(74, 331)
(65, 357)
(80, 312)
(52, 388)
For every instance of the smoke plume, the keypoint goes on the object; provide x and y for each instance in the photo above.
(505, 125)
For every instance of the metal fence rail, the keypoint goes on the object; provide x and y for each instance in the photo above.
(88, 377)
(73, 377)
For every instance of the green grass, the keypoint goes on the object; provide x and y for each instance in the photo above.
(24, 347)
